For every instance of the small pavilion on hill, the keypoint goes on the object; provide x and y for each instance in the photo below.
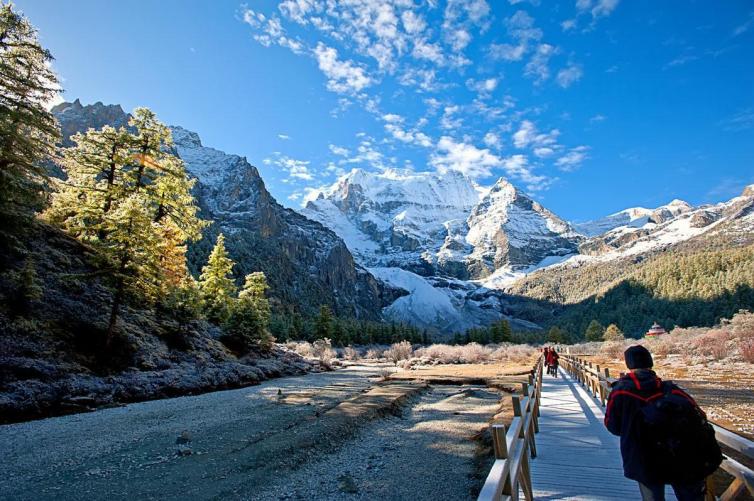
(655, 330)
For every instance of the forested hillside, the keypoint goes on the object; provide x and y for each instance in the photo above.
(685, 287)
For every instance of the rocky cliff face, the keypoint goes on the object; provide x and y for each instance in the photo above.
(307, 265)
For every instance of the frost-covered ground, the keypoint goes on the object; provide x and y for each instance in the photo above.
(234, 441)
(290, 438)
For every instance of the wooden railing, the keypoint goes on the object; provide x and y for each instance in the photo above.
(599, 383)
(514, 445)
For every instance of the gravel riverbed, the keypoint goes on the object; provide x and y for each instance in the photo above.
(286, 438)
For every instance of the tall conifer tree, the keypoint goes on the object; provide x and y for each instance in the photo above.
(216, 283)
(28, 132)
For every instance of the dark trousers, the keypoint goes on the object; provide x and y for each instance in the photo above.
(684, 492)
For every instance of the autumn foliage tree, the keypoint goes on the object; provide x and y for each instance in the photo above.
(127, 195)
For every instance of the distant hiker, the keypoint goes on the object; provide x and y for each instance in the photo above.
(552, 362)
(664, 435)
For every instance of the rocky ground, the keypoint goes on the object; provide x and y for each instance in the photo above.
(318, 436)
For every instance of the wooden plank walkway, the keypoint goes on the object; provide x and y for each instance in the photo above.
(577, 458)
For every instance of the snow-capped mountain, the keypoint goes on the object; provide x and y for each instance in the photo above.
(435, 224)
(635, 217)
(668, 225)
(396, 217)
(436, 235)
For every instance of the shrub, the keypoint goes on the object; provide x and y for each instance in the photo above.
(663, 346)
(303, 348)
(350, 353)
(323, 351)
(399, 351)
(474, 353)
(613, 349)
(373, 353)
(742, 325)
(746, 349)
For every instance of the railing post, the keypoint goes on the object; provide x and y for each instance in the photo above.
(499, 444)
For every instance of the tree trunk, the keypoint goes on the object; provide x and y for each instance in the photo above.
(114, 311)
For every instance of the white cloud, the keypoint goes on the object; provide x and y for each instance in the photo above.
(544, 152)
(339, 150)
(483, 88)
(537, 67)
(449, 120)
(392, 118)
(603, 8)
(413, 23)
(742, 120)
(459, 17)
(571, 160)
(270, 31)
(463, 157)
(424, 49)
(296, 169)
(597, 9)
(569, 75)
(568, 24)
(598, 118)
(507, 51)
(492, 140)
(411, 137)
(284, 137)
(343, 76)
(527, 135)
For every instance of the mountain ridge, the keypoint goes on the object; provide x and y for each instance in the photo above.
(306, 264)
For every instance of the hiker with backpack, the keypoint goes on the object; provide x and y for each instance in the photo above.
(665, 438)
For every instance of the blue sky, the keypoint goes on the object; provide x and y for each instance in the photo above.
(591, 106)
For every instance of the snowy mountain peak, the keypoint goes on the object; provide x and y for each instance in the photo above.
(748, 191)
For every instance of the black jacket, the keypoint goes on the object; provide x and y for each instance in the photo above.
(629, 394)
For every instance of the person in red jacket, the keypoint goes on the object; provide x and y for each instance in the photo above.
(625, 416)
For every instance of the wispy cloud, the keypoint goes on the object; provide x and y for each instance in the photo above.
(295, 169)
(569, 75)
(744, 27)
(742, 120)
(573, 159)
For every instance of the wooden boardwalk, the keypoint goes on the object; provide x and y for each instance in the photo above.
(577, 458)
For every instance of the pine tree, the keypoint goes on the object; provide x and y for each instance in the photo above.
(94, 169)
(323, 325)
(556, 335)
(248, 322)
(253, 293)
(216, 283)
(613, 333)
(28, 132)
(594, 332)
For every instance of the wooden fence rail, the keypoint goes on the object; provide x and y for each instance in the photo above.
(514, 445)
(599, 383)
